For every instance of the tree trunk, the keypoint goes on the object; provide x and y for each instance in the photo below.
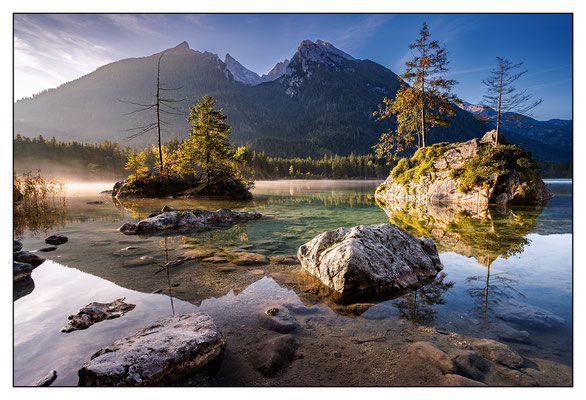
(498, 117)
(159, 118)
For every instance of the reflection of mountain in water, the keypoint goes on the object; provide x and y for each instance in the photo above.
(482, 232)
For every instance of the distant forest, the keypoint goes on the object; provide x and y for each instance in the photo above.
(106, 161)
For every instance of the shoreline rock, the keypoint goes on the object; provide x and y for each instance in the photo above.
(96, 312)
(22, 271)
(28, 258)
(370, 259)
(157, 355)
(57, 239)
(186, 219)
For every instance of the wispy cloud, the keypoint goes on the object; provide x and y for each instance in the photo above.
(468, 71)
(355, 34)
(549, 84)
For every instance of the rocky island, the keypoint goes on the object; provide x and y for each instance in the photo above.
(479, 171)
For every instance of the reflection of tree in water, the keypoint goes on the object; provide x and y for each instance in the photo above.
(219, 236)
(417, 306)
(39, 220)
(334, 198)
(489, 291)
(482, 232)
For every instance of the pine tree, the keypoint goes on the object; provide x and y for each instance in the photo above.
(503, 97)
(208, 146)
(423, 105)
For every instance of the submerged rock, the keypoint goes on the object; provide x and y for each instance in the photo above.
(285, 259)
(429, 353)
(510, 334)
(278, 320)
(245, 259)
(516, 311)
(48, 249)
(273, 354)
(160, 354)
(187, 219)
(437, 174)
(370, 258)
(56, 239)
(22, 288)
(47, 380)
(22, 271)
(498, 352)
(95, 202)
(96, 312)
(28, 258)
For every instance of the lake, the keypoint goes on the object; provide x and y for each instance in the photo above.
(493, 258)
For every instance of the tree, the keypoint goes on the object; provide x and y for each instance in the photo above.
(423, 105)
(161, 105)
(208, 146)
(503, 97)
(135, 163)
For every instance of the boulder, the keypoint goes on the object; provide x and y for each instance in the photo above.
(277, 319)
(370, 258)
(515, 311)
(22, 271)
(56, 239)
(28, 258)
(186, 219)
(47, 380)
(159, 354)
(96, 312)
(513, 378)
(273, 354)
(16, 246)
(498, 352)
(430, 354)
(431, 176)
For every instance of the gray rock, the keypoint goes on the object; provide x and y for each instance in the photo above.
(22, 271)
(22, 288)
(516, 311)
(96, 312)
(277, 319)
(47, 380)
(437, 184)
(498, 352)
(162, 353)
(470, 364)
(28, 258)
(374, 258)
(273, 354)
(56, 239)
(186, 219)
(430, 354)
(459, 380)
(16, 246)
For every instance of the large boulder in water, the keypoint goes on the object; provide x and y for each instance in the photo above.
(479, 171)
(162, 353)
(186, 219)
(374, 258)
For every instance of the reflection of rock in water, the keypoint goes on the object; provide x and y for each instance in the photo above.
(482, 232)
(22, 288)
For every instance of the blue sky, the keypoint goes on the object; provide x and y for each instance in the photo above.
(53, 49)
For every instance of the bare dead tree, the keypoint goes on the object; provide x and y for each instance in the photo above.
(504, 98)
(160, 105)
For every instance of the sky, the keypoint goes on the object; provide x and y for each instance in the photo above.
(51, 49)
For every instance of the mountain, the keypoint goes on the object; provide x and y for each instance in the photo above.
(320, 102)
(248, 77)
(554, 136)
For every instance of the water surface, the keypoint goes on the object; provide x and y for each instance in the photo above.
(490, 256)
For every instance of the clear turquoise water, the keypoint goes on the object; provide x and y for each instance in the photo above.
(523, 253)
